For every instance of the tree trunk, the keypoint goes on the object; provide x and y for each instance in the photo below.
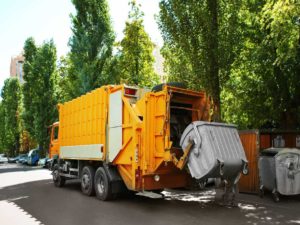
(288, 120)
(217, 110)
(213, 59)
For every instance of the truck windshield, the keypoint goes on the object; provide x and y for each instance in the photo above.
(55, 134)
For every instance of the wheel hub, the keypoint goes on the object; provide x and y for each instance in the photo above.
(100, 185)
(55, 175)
(85, 181)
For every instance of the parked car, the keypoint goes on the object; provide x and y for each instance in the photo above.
(14, 159)
(3, 158)
(33, 157)
(22, 159)
(45, 162)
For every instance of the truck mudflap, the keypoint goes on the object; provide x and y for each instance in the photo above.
(216, 152)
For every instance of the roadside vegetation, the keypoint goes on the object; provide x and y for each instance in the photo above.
(244, 54)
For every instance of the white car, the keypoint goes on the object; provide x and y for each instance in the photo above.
(3, 159)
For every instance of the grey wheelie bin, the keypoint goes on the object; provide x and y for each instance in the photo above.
(267, 171)
(217, 153)
(288, 171)
(279, 172)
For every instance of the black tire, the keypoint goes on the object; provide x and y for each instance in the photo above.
(159, 87)
(58, 180)
(275, 197)
(102, 185)
(87, 180)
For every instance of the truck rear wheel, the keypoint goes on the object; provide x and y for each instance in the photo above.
(87, 180)
(102, 185)
(58, 180)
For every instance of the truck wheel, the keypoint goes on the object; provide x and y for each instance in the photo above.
(102, 185)
(87, 180)
(58, 180)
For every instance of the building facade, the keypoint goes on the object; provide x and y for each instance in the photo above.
(16, 67)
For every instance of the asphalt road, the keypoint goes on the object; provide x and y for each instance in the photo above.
(67, 205)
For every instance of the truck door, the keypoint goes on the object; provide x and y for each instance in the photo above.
(54, 143)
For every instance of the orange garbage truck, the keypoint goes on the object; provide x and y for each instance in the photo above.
(121, 137)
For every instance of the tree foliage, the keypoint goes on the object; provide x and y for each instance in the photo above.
(91, 46)
(30, 51)
(40, 77)
(264, 89)
(2, 129)
(203, 38)
(10, 110)
(136, 52)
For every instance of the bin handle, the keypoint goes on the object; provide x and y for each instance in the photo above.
(197, 144)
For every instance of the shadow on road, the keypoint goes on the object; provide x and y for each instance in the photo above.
(42, 200)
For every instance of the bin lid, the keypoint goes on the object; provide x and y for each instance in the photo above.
(271, 151)
(289, 150)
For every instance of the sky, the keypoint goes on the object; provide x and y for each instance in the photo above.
(46, 19)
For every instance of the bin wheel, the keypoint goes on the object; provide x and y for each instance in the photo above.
(275, 197)
(87, 180)
(261, 193)
(245, 169)
(58, 180)
(202, 184)
(102, 185)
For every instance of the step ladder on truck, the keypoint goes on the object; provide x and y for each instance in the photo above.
(121, 137)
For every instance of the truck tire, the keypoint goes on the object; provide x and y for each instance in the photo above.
(87, 180)
(58, 180)
(102, 185)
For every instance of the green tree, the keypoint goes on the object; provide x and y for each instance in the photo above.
(178, 67)
(11, 103)
(30, 51)
(2, 129)
(91, 46)
(264, 89)
(64, 83)
(136, 51)
(41, 78)
(44, 94)
(204, 33)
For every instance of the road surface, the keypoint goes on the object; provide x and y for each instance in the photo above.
(42, 203)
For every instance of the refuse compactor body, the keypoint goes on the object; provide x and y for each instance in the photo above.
(148, 140)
